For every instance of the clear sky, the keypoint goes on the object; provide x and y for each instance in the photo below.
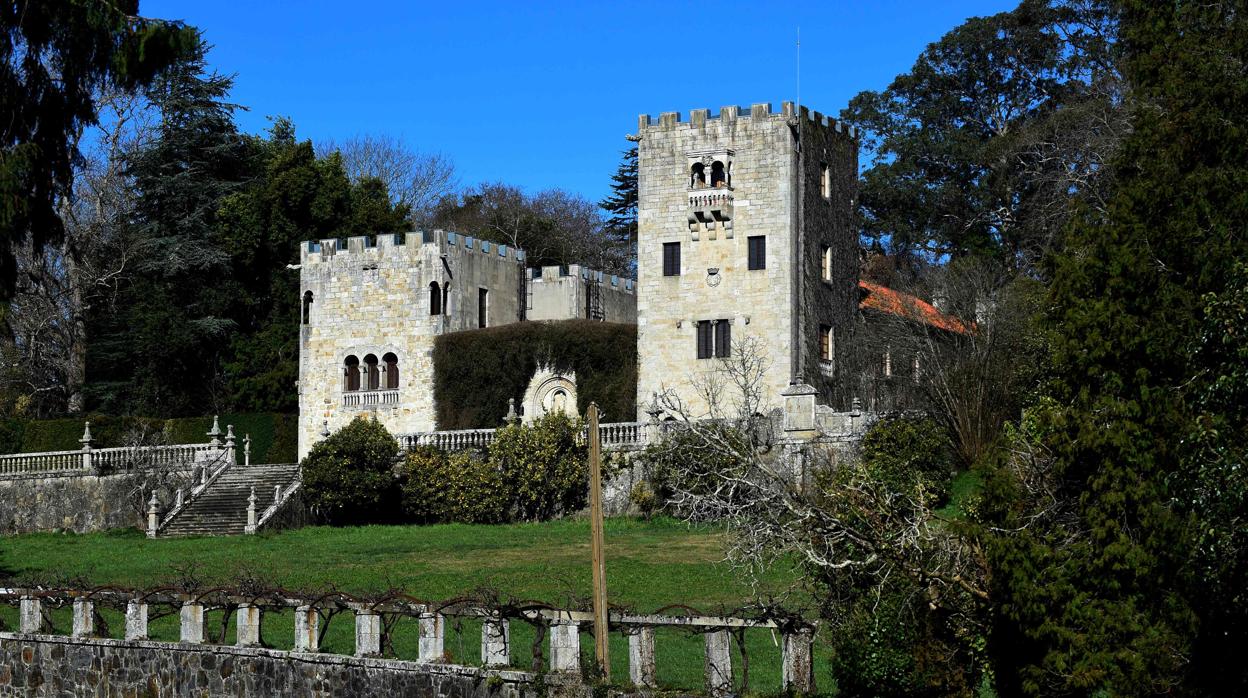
(541, 95)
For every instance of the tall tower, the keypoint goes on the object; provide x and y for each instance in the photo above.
(746, 235)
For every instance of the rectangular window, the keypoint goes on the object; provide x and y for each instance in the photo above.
(723, 339)
(757, 251)
(825, 343)
(704, 339)
(483, 307)
(825, 180)
(671, 259)
(826, 260)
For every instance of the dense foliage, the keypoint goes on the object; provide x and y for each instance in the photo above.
(348, 477)
(477, 371)
(55, 58)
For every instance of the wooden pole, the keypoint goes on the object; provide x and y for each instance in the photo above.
(596, 545)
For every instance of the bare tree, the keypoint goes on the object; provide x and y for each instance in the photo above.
(57, 287)
(417, 179)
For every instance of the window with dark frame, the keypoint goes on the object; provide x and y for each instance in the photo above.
(723, 339)
(714, 339)
(483, 307)
(825, 343)
(705, 339)
(671, 259)
(757, 248)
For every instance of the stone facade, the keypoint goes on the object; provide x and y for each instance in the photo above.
(709, 185)
(74, 502)
(381, 303)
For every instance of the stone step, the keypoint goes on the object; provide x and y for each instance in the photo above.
(222, 508)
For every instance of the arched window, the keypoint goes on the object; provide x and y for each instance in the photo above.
(718, 176)
(435, 299)
(697, 175)
(392, 371)
(307, 306)
(370, 370)
(351, 374)
(446, 298)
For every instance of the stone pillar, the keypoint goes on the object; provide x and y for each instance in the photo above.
(229, 444)
(247, 626)
(192, 622)
(799, 407)
(718, 663)
(214, 434)
(367, 633)
(495, 642)
(153, 516)
(247, 449)
(565, 647)
(251, 512)
(31, 612)
(307, 629)
(136, 620)
(641, 669)
(86, 447)
(84, 618)
(797, 674)
(432, 632)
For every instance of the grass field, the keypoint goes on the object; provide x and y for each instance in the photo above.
(650, 564)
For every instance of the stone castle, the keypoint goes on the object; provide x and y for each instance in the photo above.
(745, 229)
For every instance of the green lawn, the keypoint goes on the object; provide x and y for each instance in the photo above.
(649, 565)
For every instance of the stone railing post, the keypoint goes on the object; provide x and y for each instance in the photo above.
(192, 622)
(641, 669)
(247, 449)
(247, 626)
(214, 434)
(86, 447)
(495, 642)
(31, 615)
(229, 443)
(307, 629)
(797, 674)
(718, 663)
(84, 618)
(367, 633)
(136, 620)
(251, 512)
(153, 515)
(432, 632)
(565, 647)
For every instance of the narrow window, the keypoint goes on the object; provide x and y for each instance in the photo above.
(827, 263)
(825, 180)
(351, 374)
(307, 306)
(888, 362)
(435, 298)
(446, 298)
(697, 175)
(371, 372)
(671, 259)
(537, 272)
(705, 339)
(723, 339)
(392, 370)
(917, 371)
(757, 245)
(483, 307)
(718, 177)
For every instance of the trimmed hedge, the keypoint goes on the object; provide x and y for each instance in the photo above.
(274, 436)
(476, 371)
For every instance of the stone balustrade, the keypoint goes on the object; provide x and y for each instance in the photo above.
(615, 436)
(563, 628)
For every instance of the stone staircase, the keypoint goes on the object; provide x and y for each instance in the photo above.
(221, 509)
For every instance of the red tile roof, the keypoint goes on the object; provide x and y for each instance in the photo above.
(886, 300)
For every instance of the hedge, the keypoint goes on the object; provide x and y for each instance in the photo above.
(476, 371)
(274, 436)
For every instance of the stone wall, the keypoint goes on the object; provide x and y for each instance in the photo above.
(43, 665)
(573, 291)
(74, 502)
(712, 225)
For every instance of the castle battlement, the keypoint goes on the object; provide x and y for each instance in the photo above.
(560, 273)
(699, 118)
(445, 241)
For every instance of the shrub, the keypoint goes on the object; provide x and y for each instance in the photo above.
(685, 462)
(543, 468)
(906, 453)
(348, 477)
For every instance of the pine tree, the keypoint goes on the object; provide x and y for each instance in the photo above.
(621, 205)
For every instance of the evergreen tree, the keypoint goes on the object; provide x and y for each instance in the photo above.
(1126, 581)
(621, 205)
(54, 56)
(158, 352)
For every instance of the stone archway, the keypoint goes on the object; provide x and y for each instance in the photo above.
(550, 391)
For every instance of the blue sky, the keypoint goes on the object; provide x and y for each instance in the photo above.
(541, 95)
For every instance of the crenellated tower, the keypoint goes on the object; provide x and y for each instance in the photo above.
(745, 229)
